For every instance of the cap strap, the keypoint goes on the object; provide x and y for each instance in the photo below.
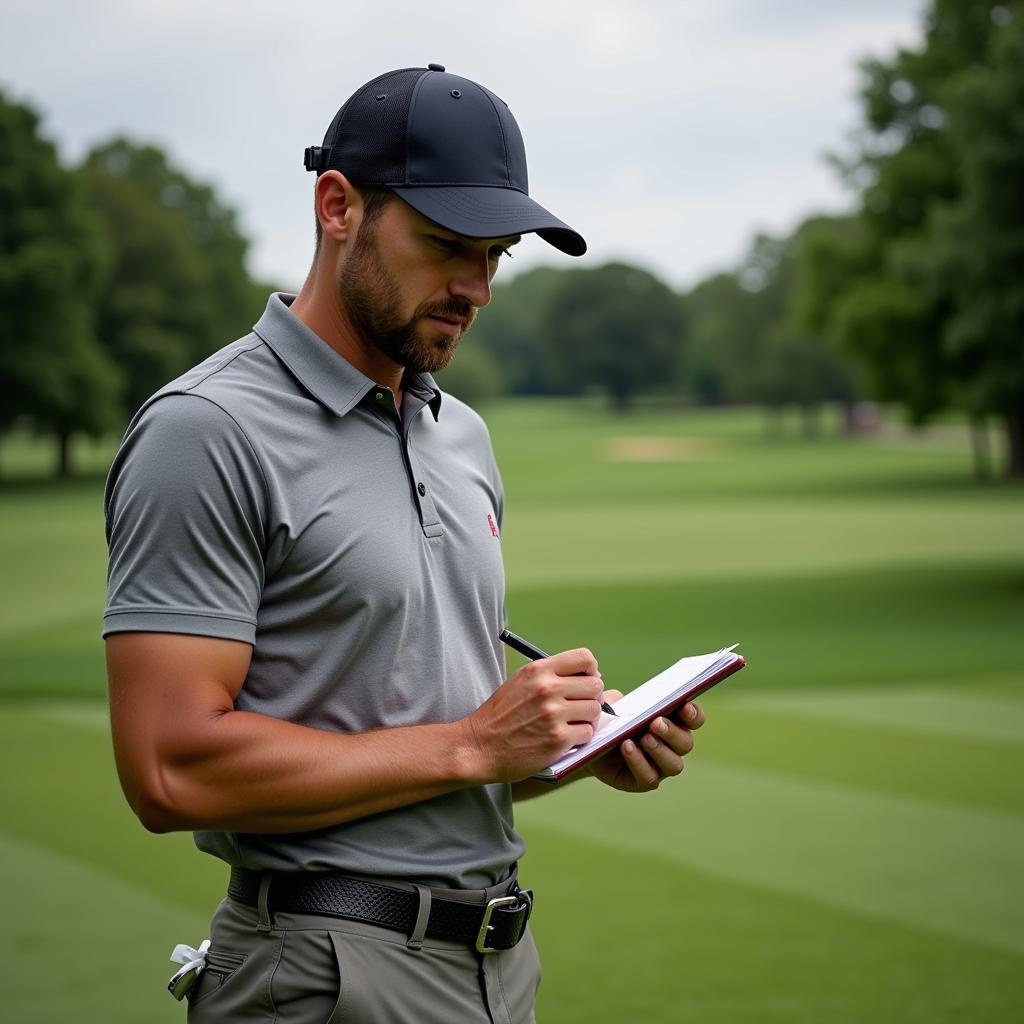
(316, 157)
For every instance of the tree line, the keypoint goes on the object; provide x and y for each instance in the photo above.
(117, 274)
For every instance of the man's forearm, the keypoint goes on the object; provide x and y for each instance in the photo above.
(246, 772)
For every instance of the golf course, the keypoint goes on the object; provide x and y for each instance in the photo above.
(847, 840)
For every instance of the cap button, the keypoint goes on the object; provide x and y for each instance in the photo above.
(435, 67)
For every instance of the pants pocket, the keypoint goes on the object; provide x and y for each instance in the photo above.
(234, 987)
(221, 964)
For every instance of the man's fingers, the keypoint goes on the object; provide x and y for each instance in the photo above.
(692, 715)
(550, 677)
(584, 711)
(677, 737)
(576, 662)
(667, 761)
(578, 733)
(646, 775)
(579, 687)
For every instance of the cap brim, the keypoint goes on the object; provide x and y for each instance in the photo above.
(481, 211)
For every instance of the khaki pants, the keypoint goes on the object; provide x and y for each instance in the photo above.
(312, 969)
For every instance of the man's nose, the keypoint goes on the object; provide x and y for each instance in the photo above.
(472, 281)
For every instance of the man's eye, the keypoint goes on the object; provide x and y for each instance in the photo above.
(498, 253)
(447, 244)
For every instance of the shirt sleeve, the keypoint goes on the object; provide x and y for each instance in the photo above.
(185, 510)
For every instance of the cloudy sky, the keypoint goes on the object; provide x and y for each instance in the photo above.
(665, 131)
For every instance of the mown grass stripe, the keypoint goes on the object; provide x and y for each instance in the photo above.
(91, 714)
(961, 771)
(951, 870)
(870, 628)
(59, 790)
(931, 711)
(78, 945)
(687, 540)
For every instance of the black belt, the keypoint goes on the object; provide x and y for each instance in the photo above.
(496, 924)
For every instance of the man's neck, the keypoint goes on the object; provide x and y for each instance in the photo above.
(318, 307)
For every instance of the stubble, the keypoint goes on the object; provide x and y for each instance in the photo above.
(371, 298)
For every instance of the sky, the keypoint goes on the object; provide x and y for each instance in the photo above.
(667, 132)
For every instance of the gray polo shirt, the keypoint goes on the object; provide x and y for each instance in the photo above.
(273, 495)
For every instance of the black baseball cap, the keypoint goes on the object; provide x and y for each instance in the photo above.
(449, 147)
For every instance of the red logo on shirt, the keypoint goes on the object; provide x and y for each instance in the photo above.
(492, 525)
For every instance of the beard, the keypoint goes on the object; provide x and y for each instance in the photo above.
(371, 298)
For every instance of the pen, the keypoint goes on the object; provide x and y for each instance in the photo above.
(527, 650)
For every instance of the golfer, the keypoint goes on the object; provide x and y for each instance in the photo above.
(305, 594)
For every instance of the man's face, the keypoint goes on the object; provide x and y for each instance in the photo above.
(411, 289)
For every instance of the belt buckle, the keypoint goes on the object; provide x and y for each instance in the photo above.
(486, 926)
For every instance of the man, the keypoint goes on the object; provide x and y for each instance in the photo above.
(305, 592)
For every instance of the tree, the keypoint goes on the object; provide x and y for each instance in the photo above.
(977, 241)
(472, 376)
(721, 332)
(747, 345)
(53, 369)
(512, 330)
(928, 298)
(617, 327)
(179, 288)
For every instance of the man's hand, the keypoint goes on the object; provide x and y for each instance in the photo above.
(640, 767)
(537, 714)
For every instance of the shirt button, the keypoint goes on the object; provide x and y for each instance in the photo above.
(379, 396)
(422, 488)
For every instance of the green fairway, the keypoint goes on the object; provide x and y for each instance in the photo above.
(845, 843)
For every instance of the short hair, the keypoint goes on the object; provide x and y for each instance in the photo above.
(375, 199)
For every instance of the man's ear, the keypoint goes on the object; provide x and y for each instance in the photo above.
(339, 207)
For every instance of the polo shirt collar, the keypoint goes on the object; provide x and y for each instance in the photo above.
(421, 386)
(325, 374)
